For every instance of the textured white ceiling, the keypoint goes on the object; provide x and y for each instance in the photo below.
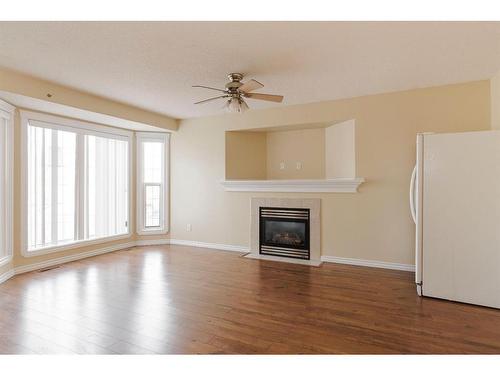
(154, 64)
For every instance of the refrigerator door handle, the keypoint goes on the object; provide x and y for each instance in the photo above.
(412, 195)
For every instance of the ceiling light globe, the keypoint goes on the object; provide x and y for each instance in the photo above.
(234, 105)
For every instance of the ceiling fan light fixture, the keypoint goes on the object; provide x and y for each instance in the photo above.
(236, 91)
(244, 106)
(236, 105)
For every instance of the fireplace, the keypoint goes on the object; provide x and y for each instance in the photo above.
(284, 232)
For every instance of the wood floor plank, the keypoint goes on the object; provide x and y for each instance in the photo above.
(179, 300)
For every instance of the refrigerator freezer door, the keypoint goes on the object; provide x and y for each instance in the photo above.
(461, 217)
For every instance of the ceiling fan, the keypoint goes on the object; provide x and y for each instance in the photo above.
(237, 91)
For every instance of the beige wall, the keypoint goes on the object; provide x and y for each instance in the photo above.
(257, 155)
(340, 150)
(23, 84)
(495, 101)
(246, 155)
(372, 224)
(305, 146)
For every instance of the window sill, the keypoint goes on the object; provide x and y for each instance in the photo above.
(73, 245)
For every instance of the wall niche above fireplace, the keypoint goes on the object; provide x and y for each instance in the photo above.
(299, 158)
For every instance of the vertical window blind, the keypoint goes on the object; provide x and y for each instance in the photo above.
(3, 218)
(6, 181)
(77, 185)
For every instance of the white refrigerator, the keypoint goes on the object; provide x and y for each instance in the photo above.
(455, 204)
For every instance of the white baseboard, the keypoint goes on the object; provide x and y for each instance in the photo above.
(314, 263)
(325, 258)
(369, 263)
(162, 241)
(208, 245)
(71, 258)
(6, 275)
(108, 249)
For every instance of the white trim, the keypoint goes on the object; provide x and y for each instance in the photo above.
(79, 127)
(62, 123)
(73, 245)
(314, 263)
(7, 112)
(243, 249)
(71, 258)
(6, 275)
(86, 254)
(369, 263)
(7, 107)
(6, 260)
(130, 149)
(24, 182)
(162, 241)
(335, 185)
(324, 258)
(165, 194)
(208, 245)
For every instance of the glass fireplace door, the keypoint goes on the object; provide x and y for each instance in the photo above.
(284, 232)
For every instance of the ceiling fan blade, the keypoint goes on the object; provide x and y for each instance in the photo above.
(210, 88)
(210, 99)
(250, 86)
(267, 97)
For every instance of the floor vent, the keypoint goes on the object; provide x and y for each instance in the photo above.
(48, 268)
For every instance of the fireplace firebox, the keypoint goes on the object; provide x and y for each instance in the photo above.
(284, 232)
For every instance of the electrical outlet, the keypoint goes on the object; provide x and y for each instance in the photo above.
(298, 165)
(282, 165)
(189, 228)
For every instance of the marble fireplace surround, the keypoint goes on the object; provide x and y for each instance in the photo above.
(313, 204)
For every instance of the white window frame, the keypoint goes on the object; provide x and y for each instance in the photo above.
(141, 186)
(77, 126)
(7, 112)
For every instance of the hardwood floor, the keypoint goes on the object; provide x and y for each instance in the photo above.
(175, 299)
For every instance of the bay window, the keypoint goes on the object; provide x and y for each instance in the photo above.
(152, 183)
(6, 189)
(76, 182)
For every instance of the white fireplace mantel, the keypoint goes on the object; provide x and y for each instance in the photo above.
(334, 185)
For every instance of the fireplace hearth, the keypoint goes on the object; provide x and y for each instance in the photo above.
(284, 232)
